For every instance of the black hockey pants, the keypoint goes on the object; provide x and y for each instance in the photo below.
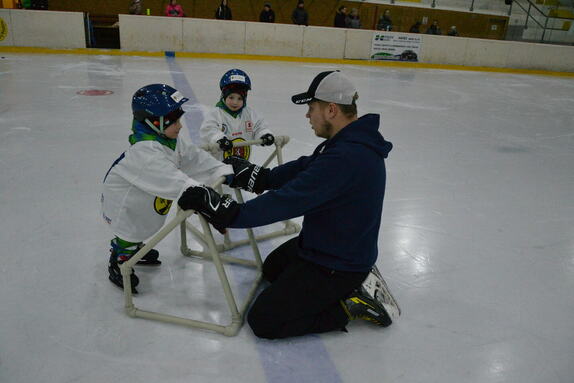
(303, 297)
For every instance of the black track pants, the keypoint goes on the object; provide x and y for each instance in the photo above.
(303, 297)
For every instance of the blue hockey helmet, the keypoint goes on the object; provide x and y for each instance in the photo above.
(235, 77)
(158, 106)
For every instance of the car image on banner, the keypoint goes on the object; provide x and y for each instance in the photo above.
(407, 55)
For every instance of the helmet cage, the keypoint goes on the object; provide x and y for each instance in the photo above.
(159, 124)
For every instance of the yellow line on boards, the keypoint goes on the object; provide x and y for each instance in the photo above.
(79, 51)
(378, 63)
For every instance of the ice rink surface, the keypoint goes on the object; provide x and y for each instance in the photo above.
(477, 241)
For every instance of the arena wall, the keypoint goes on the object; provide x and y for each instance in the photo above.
(156, 33)
(43, 29)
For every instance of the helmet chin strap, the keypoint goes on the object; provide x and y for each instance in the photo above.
(158, 130)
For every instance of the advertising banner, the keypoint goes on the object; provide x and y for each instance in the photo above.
(396, 46)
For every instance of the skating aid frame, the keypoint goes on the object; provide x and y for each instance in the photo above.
(289, 228)
(212, 253)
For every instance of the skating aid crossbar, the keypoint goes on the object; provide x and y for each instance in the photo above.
(289, 226)
(212, 253)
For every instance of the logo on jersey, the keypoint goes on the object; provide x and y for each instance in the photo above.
(161, 206)
(106, 218)
(3, 29)
(243, 152)
(249, 126)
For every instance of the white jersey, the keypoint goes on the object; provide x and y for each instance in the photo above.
(246, 126)
(141, 185)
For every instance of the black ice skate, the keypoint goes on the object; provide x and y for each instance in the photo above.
(116, 274)
(372, 301)
(150, 259)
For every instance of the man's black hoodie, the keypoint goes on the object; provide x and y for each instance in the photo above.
(339, 190)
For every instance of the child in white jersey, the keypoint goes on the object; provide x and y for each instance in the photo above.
(232, 120)
(155, 170)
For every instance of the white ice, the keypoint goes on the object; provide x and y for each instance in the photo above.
(477, 241)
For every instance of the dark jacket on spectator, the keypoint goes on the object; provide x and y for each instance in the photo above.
(267, 16)
(434, 30)
(415, 28)
(39, 4)
(385, 24)
(300, 16)
(340, 20)
(223, 13)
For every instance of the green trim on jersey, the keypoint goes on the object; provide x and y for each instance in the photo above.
(143, 133)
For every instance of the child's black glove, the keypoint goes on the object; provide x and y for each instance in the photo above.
(268, 139)
(248, 176)
(219, 210)
(225, 144)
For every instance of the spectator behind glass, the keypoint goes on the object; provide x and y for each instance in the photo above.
(385, 23)
(39, 4)
(267, 15)
(434, 29)
(353, 20)
(173, 9)
(136, 7)
(453, 31)
(223, 12)
(415, 28)
(341, 17)
(300, 15)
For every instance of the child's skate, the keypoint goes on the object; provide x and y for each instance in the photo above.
(116, 275)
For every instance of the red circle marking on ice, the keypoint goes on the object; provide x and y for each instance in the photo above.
(94, 92)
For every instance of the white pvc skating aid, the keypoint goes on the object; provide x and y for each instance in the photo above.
(211, 252)
(290, 226)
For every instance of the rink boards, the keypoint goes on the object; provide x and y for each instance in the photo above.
(157, 34)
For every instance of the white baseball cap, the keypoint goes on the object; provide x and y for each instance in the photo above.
(330, 86)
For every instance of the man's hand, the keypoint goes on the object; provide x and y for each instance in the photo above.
(267, 139)
(225, 144)
(219, 210)
(248, 176)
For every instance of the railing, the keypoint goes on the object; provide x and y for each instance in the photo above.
(547, 19)
(534, 13)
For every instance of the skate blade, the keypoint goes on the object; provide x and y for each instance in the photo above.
(390, 304)
(143, 262)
